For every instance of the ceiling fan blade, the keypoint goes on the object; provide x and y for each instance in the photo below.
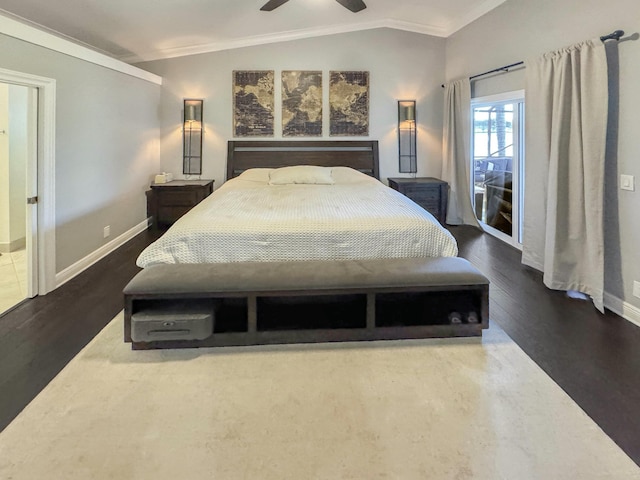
(353, 5)
(272, 4)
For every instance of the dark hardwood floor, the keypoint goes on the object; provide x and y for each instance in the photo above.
(40, 336)
(595, 358)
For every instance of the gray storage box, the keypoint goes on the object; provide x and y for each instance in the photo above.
(157, 325)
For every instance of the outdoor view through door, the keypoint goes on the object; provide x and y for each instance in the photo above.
(498, 163)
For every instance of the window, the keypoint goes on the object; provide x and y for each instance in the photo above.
(497, 155)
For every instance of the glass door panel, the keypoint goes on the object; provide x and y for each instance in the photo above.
(496, 147)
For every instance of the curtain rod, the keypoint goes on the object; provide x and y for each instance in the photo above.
(501, 69)
(612, 36)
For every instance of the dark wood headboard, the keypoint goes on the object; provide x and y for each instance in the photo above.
(360, 155)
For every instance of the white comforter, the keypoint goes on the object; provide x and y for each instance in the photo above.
(249, 220)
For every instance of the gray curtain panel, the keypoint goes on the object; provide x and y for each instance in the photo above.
(456, 153)
(566, 127)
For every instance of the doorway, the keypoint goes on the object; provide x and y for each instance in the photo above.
(498, 164)
(18, 158)
(40, 180)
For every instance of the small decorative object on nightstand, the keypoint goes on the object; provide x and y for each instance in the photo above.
(430, 193)
(167, 202)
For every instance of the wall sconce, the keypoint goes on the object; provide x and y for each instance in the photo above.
(407, 136)
(192, 137)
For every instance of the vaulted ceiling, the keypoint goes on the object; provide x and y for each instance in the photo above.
(138, 30)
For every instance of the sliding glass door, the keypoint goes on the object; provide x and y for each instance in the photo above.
(497, 184)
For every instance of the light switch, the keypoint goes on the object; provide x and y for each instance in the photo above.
(627, 182)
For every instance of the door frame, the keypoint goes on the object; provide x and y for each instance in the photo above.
(516, 97)
(41, 184)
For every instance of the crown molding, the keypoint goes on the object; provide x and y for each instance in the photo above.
(285, 37)
(22, 31)
(433, 30)
(39, 35)
(472, 15)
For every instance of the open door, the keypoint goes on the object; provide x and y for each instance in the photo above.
(18, 127)
(19, 268)
(35, 202)
(31, 199)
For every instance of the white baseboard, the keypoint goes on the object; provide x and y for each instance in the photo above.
(81, 265)
(13, 246)
(622, 308)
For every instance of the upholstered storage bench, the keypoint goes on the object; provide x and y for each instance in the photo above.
(308, 301)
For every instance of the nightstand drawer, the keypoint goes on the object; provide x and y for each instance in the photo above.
(432, 206)
(422, 194)
(169, 214)
(167, 202)
(178, 198)
(430, 193)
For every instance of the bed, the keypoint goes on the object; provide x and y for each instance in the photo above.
(252, 219)
(298, 206)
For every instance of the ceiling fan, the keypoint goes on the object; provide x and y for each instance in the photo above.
(353, 5)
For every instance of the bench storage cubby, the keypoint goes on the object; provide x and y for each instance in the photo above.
(251, 303)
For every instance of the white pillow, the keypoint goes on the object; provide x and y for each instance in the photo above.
(256, 175)
(343, 175)
(301, 174)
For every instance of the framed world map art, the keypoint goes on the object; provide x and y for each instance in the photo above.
(253, 103)
(349, 104)
(301, 103)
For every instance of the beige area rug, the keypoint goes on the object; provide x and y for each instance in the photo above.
(419, 409)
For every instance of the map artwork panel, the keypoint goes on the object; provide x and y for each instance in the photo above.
(253, 103)
(349, 104)
(301, 104)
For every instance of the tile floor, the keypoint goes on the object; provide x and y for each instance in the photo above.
(13, 279)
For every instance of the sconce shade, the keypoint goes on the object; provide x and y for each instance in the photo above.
(407, 151)
(192, 137)
(408, 113)
(192, 110)
(190, 113)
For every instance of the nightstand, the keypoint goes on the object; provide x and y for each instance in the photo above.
(167, 202)
(428, 192)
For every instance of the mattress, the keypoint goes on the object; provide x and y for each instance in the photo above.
(249, 219)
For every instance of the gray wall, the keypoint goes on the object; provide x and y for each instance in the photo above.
(402, 66)
(521, 29)
(107, 146)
